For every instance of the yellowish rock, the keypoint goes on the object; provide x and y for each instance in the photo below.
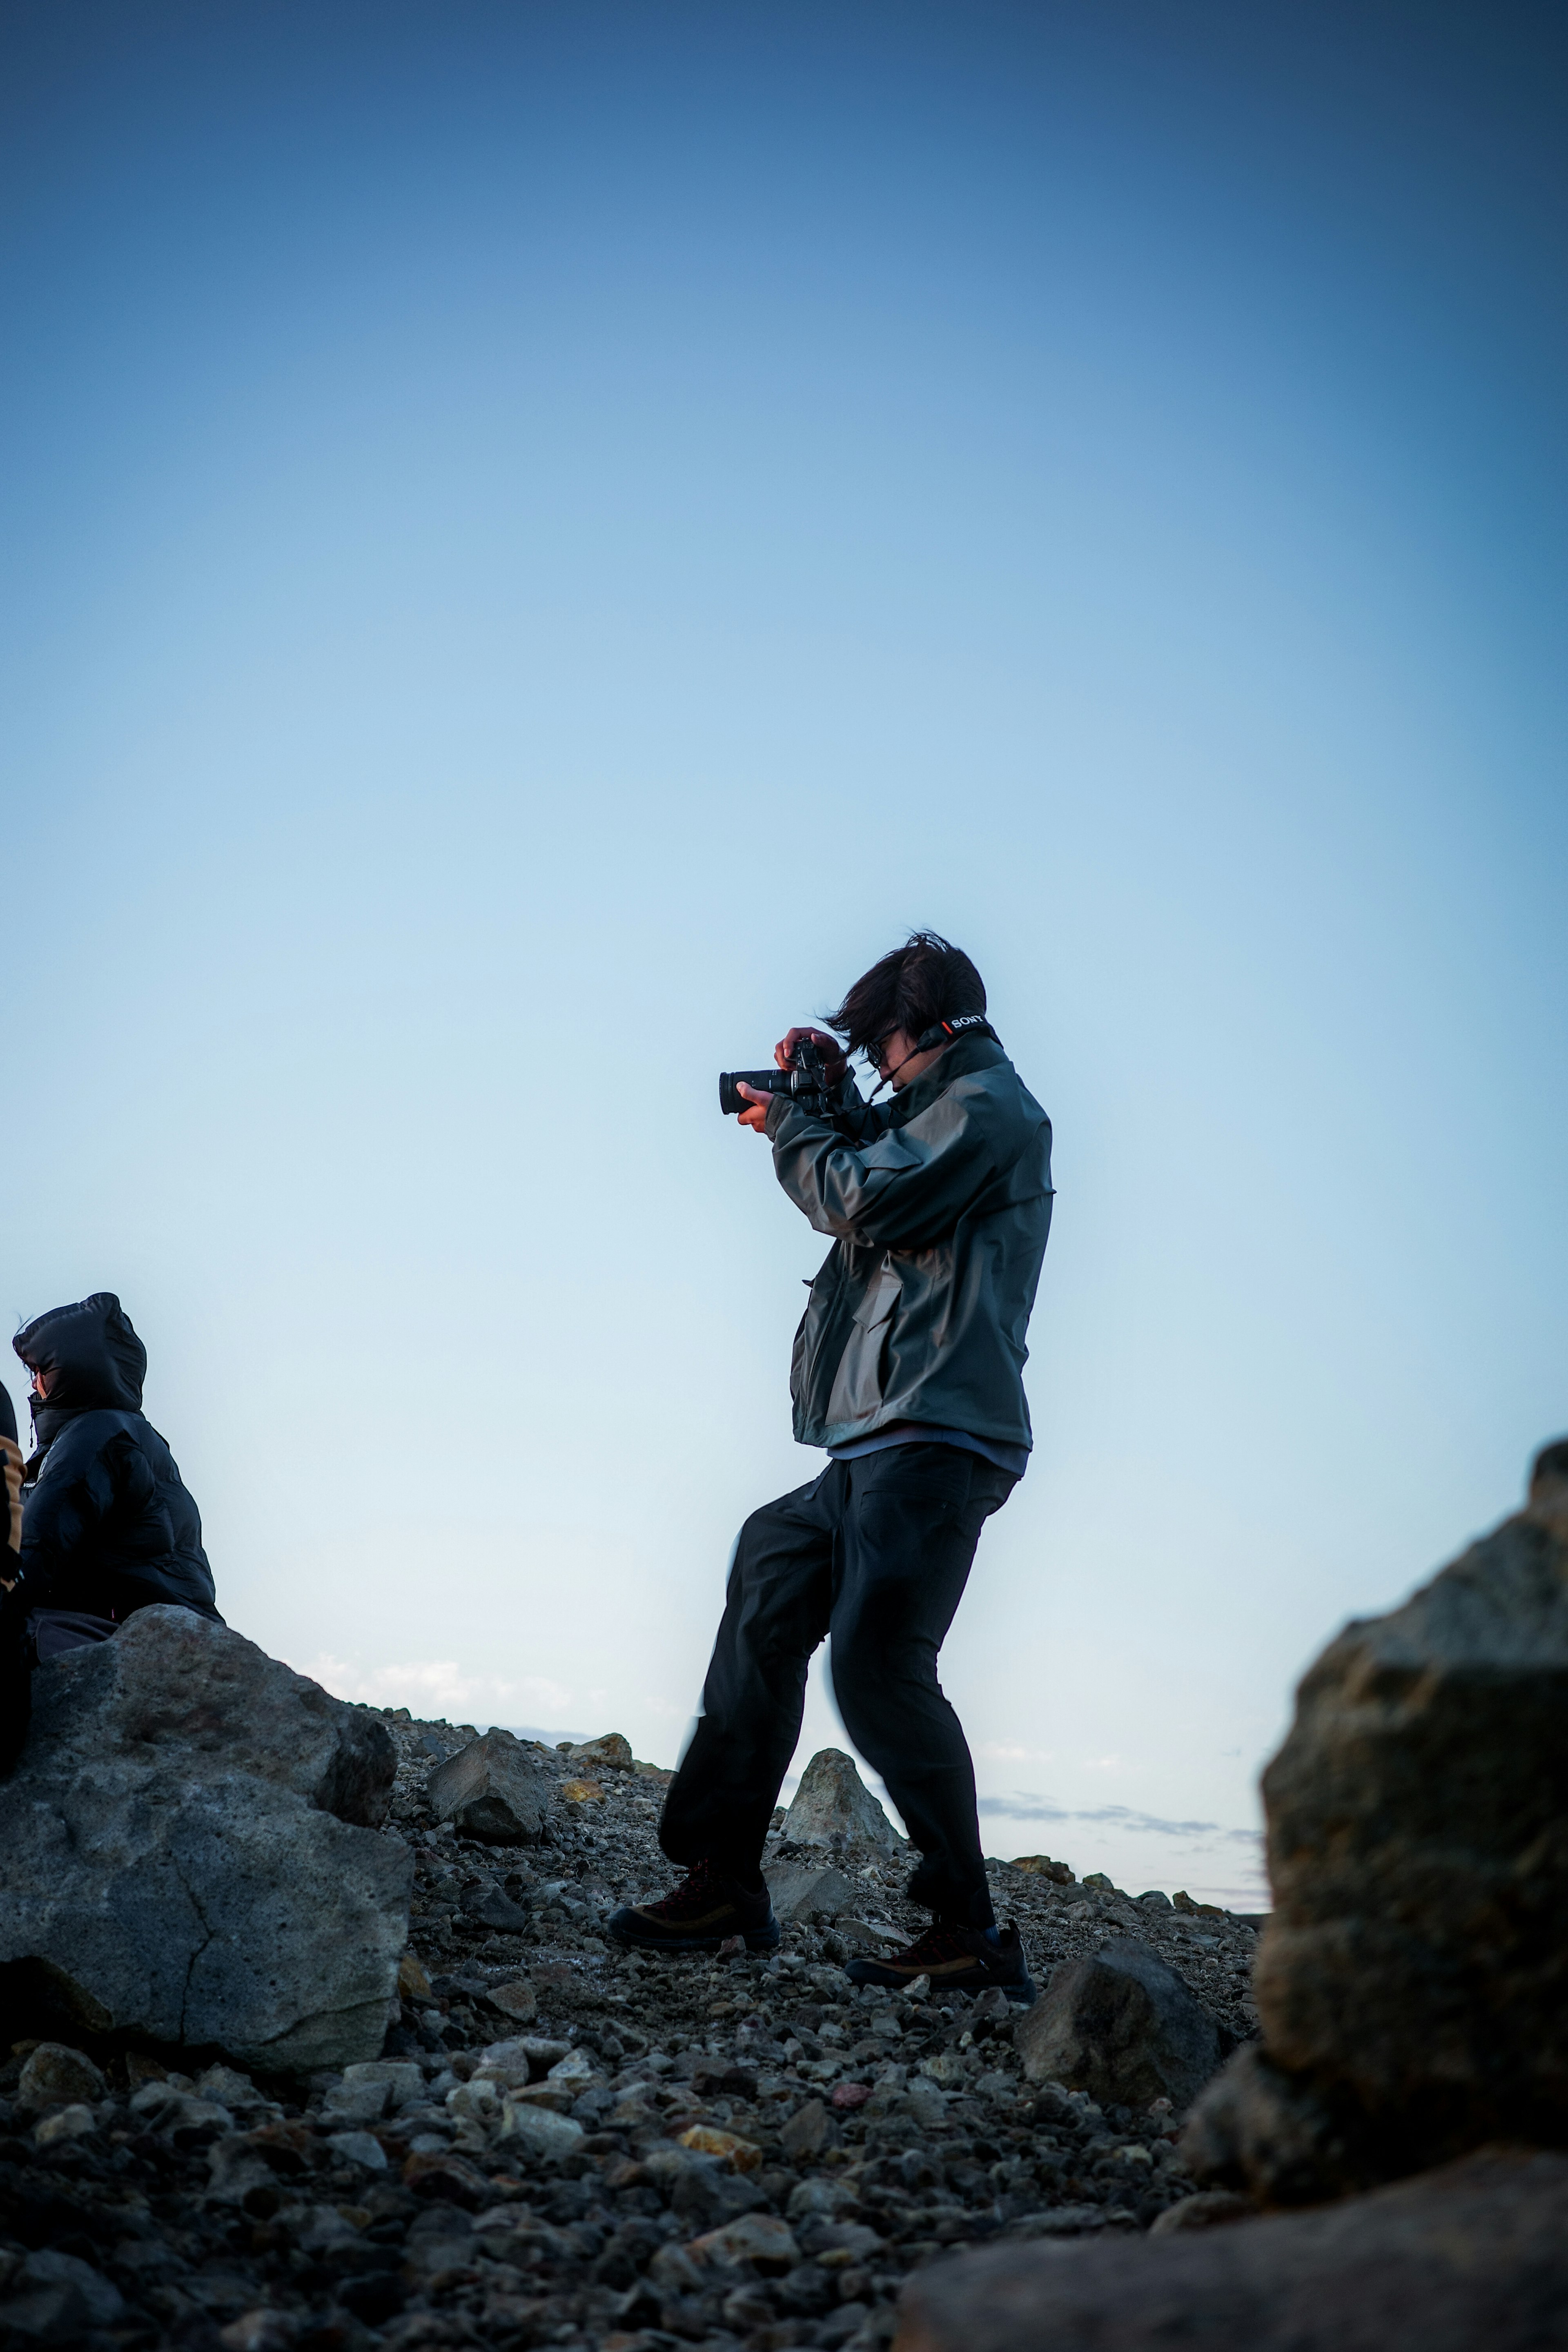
(582, 1793)
(413, 1984)
(609, 1753)
(706, 2140)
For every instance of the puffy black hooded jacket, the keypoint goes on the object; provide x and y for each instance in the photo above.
(107, 1525)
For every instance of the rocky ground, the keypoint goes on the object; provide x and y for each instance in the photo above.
(568, 2145)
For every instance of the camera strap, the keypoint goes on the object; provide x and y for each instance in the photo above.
(963, 1024)
(942, 1033)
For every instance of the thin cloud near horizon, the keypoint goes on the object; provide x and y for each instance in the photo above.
(1027, 1808)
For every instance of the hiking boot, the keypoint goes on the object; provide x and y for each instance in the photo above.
(956, 1959)
(705, 1910)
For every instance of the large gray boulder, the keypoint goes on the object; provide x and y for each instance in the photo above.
(833, 1802)
(1121, 2026)
(190, 1851)
(1412, 1984)
(1475, 2255)
(492, 1790)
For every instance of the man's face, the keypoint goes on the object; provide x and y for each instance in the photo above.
(42, 1381)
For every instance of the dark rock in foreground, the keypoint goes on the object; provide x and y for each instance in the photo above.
(1121, 2026)
(1412, 1984)
(186, 1853)
(1473, 2256)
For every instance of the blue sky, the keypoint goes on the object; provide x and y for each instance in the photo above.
(536, 542)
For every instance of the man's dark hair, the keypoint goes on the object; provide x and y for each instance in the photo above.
(924, 981)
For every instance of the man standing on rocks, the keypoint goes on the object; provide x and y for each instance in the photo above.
(907, 1369)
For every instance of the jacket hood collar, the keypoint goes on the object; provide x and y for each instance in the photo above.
(954, 1061)
(95, 1356)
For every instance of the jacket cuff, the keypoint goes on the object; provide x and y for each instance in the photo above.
(779, 1110)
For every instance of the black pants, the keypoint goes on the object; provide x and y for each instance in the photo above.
(877, 1553)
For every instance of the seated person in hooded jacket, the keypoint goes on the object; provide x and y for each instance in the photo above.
(108, 1526)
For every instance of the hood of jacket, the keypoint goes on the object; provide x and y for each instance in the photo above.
(94, 1356)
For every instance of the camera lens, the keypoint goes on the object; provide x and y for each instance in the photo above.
(732, 1102)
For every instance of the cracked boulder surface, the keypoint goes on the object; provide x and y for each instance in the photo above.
(565, 2144)
(189, 1852)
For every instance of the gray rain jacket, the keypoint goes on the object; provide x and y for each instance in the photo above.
(940, 1206)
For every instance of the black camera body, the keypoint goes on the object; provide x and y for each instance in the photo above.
(805, 1082)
